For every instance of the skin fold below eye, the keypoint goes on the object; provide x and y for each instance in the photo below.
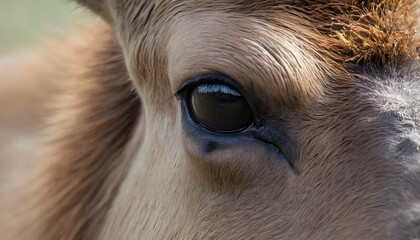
(220, 108)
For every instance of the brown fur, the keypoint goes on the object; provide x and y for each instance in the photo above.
(120, 169)
(369, 31)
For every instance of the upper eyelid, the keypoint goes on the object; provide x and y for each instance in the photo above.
(211, 78)
(217, 87)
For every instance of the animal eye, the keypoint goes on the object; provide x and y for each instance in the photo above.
(220, 108)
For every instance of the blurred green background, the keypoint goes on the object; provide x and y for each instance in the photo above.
(25, 22)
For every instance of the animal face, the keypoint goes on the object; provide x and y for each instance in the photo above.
(258, 120)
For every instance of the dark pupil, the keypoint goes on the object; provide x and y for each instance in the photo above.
(220, 108)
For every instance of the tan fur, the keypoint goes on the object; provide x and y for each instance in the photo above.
(25, 81)
(123, 163)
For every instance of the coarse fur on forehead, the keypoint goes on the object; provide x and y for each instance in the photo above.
(372, 31)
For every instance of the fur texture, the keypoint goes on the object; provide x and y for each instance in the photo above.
(338, 78)
(372, 31)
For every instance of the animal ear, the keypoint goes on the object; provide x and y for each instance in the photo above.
(96, 6)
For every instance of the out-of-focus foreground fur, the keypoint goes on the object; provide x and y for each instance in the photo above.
(38, 90)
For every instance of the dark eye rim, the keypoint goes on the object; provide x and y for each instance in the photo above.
(260, 130)
(186, 89)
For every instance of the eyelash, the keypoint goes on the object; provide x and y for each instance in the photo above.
(211, 77)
